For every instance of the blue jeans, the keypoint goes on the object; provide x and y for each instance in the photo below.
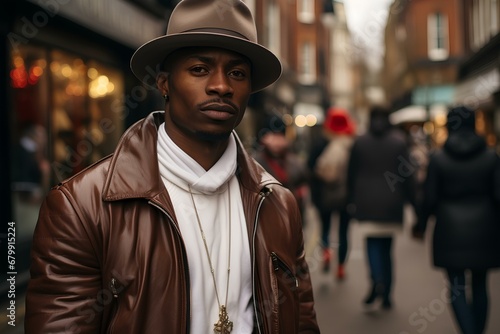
(380, 261)
(326, 223)
(470, 315)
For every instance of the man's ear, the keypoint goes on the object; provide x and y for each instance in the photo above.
(162, 82)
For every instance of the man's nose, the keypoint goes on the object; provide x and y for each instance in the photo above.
(219, 83)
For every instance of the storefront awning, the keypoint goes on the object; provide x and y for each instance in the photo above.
(416, 114)
(478, 90)
(408, 114)
(116, 19)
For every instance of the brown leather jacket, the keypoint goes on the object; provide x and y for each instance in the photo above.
(108, 256)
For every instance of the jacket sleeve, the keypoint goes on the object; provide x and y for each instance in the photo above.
(307, 322)
(63, 295)
(410, 183)
(430, 195)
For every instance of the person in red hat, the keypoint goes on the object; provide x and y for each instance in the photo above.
(328, 163)
(179, 230)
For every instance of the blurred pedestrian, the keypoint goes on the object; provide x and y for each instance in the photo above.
(32, 169)
(462, 191)
(419, 155)
(274, 152)
(328, 165)
(381, 181)
(179, 230)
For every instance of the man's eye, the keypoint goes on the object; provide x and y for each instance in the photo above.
(238, 74)
(198, 69)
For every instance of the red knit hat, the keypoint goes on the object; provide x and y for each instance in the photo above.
(338, 121)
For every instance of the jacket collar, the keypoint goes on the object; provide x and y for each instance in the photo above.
(134, 171)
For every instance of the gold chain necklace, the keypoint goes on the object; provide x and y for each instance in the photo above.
(223, 326)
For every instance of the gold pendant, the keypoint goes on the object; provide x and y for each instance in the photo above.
(223, 326)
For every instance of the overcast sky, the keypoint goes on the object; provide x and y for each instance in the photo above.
(366, 20)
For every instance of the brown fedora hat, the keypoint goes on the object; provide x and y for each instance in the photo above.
(227, 24)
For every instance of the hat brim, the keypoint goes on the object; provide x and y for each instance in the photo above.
(147, 60)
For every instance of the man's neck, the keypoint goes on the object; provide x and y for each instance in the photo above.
(207, 155)
(205, 152)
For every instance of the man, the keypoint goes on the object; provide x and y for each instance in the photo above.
(179, 231)
(381, 182)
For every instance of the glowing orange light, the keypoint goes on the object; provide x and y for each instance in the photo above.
(37, 71)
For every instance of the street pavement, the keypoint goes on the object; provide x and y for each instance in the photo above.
(420, 294)
(419, 297)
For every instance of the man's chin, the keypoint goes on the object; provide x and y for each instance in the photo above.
(213, 137)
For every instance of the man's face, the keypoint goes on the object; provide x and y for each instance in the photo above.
(208, 91)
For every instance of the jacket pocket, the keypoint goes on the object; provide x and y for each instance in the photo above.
(286, 273)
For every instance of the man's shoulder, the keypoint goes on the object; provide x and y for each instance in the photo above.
(89, 178)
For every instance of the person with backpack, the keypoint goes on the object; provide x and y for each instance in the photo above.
(328, 185)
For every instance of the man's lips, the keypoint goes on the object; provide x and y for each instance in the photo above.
(219, 112)
(220, 108)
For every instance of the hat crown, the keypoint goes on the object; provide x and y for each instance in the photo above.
(224, 24)
(338, 122)
(226, 17)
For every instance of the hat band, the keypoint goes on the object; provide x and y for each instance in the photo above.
(218, 31)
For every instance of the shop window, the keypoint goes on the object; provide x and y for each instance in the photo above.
(30, 162)
(67, 112)
(106, 89)
(86, 118)
(86, 122)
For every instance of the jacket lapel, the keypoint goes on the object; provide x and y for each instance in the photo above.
(133, 171)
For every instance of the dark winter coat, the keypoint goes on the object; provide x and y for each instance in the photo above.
(316, 185)
(462, 191)
(381, 177)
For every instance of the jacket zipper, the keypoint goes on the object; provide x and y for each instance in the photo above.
(184, 256)
(264, 193)
(114, 291)
(112, 286)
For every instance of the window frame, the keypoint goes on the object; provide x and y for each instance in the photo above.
(438, 36)
(307, 63)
